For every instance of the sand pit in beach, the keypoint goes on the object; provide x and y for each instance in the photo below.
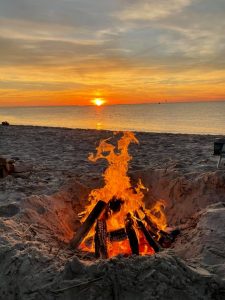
(39, 206)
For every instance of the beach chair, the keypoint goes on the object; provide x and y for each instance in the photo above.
(219, 149)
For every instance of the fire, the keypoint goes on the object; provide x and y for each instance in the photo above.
(125, 202)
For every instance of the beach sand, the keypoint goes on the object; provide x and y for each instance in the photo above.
(39, 204)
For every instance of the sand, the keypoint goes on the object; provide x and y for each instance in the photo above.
(39, 204)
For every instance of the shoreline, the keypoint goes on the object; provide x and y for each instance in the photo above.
(111, 130)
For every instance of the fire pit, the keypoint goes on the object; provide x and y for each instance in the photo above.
(116, 220)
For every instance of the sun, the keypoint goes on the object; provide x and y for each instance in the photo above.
(98, 101)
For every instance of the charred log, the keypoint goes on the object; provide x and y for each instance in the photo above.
(117, 235)
(101, 239)
(167, 239)
(147, 234)
(133, 240)
(113, 236)
(88, 223)
(152, 226)
(115, 205)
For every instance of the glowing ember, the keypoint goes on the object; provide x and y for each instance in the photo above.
(125, 211)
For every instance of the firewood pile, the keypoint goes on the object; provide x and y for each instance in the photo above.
(157, 239)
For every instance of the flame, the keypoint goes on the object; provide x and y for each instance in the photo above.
(118, 186)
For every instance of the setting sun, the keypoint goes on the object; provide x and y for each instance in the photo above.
(98, 101)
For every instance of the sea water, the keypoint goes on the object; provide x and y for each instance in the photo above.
(195, 117)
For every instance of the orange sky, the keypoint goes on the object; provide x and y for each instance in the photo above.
(67, 53)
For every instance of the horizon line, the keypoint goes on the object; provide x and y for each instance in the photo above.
(116, 104)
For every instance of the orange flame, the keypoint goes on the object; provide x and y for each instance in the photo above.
(118, 186)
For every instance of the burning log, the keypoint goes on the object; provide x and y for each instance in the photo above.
(113, 236)
(165, 239)
(133, 240)
(88, 223)
(115, 205)
(147, 234)
(152, 226)
(101, 239)
(117, 235)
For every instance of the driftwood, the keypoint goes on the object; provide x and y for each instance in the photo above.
(133, 240)
(88, 223)
(101, 239)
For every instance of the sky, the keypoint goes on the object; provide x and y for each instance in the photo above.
(68, 52)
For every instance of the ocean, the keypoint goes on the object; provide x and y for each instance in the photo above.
(194, 118)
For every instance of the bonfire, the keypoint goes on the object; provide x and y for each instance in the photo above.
(116, 220)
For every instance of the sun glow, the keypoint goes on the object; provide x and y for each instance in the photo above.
(98, 101)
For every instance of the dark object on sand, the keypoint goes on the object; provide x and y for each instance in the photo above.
(219, 149)
(5, 123)
(6, 167)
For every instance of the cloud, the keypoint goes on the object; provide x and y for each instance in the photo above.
(80, 14)
(39, 85)
(45, 52)
(152, 10)
(61, 45)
